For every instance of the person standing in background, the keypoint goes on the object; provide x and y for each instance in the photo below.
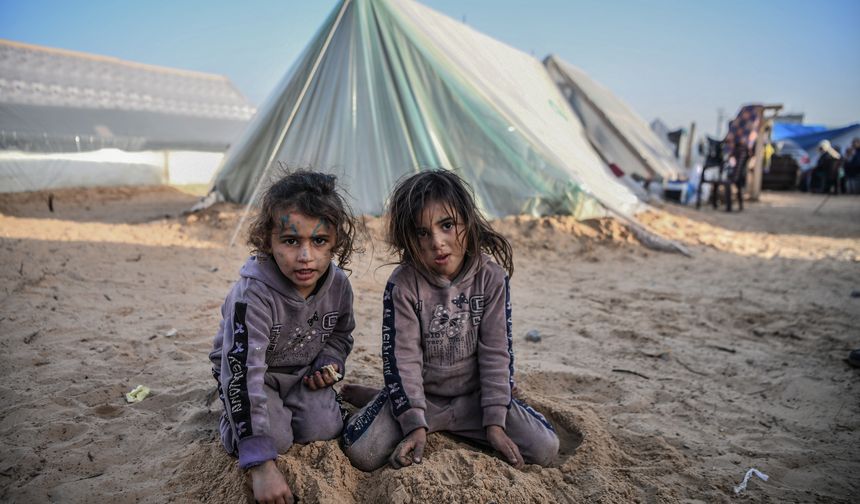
(827, 167)
(852, 167)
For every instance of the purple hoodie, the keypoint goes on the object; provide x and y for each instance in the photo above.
(268, 327)
(447, 338)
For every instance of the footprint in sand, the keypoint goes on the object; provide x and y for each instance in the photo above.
(107, 411)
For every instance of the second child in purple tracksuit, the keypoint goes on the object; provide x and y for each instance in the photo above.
(446, 337)
(286, 330)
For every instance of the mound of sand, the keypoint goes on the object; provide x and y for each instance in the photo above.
(666, 377)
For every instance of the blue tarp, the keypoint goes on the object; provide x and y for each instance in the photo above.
(788, 130)
(837, 136)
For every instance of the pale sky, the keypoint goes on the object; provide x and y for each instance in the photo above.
(678, 60)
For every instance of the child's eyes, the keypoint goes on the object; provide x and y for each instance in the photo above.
(294, 241)
(446, 226)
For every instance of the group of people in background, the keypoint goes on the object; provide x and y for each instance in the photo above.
(835, 173)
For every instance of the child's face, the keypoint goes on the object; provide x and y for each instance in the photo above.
(302, 247)
(440, 236)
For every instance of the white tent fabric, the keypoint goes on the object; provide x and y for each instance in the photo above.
(389, 87)
(29, 171)
(619, 134)
(26, 171)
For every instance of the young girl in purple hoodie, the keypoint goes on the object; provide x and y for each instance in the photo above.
(286, 329)
(447, 358)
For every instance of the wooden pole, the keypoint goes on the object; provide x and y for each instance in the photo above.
(165, 175)
(756, 173)
(689, 156)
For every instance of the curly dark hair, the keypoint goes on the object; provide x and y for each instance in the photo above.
(446, 187)
(313, 194)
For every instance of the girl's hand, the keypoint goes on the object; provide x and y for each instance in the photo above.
(269, 484)
(414, 443)
(321, 378)
(499, 440)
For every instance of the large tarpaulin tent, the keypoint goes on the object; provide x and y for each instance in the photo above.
(73, 119)
(619, 134)
(387, 88)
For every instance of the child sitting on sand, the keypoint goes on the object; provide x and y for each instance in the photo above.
(286, 329)
(446, 337)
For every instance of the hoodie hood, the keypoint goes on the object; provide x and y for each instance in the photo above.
(264, 269)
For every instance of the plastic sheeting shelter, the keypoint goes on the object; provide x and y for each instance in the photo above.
(839, 137)
(387, 88)
(53, 100)
(619, 134)
(75, 119)
(782, 131)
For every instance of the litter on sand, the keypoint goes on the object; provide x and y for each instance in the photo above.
(743, 486)
(137, 394)
(533, 336)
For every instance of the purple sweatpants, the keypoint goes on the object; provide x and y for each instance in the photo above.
(297, 414)
(372, 433)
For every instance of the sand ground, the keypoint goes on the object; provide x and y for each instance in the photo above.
(666, 377)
